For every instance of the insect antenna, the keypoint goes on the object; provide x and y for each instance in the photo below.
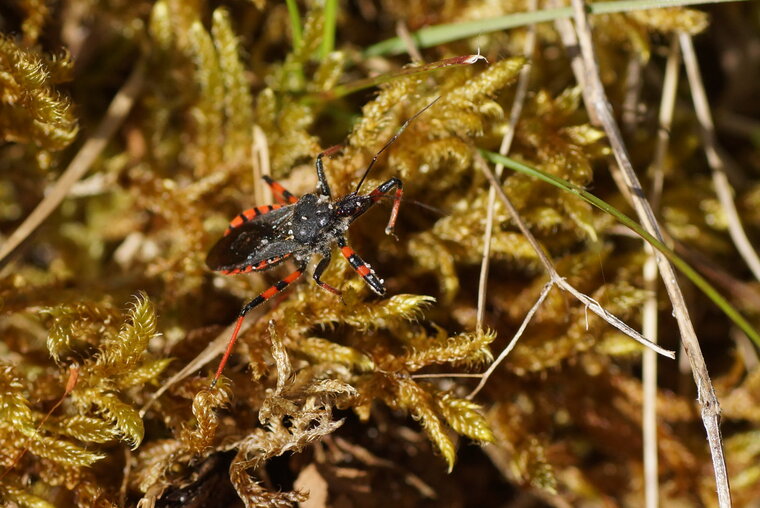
(390, 142)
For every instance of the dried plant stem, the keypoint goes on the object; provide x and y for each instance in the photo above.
(649, 374)
(736, 123)
(729, 283)
(129, 462)
(632, 94)
(720, 180)
(599, 109)
(650, 315)
(262, 193)
(117, 111)
(506, 142)
(667, 106)
(403, 33)
(746, 349)
(554, 277)
(491, 368)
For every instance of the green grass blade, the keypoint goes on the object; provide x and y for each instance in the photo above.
(679, 263)
(295, 24)
(328, 34)
(441, 34)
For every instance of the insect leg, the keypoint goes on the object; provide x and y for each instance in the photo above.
(250, 214)
(362, 268)
(281, 194)
(318, 274)
(384, 189)
(263, 297)
(324, 187)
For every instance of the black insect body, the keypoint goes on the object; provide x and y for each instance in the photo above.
(264, 236)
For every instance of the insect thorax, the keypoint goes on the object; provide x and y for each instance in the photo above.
(314, 218)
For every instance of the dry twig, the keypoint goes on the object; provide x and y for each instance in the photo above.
(720, 180)
(506, 142)
(554, 277)
(649, 312)
(491, 368)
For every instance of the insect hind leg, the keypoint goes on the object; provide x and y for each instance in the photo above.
(263, 297)
(281, 194)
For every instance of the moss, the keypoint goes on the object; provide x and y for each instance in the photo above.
(110, 301)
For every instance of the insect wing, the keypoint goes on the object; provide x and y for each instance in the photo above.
(253, 245)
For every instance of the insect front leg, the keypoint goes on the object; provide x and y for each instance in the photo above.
(281, 194)
(324, 187)
(263, 297)
(319, 270)
(382, 190)
(362, 268)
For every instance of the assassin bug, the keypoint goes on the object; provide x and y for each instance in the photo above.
(297, 228)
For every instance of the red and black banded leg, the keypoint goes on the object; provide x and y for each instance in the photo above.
(263, 297)
(281, 194)
(319, 270)
(381, 191)
(250, 214)
(324, 187)
(362, 268)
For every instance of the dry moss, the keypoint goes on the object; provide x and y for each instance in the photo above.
(114, 287)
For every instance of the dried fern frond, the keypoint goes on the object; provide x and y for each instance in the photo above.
(293, 419)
